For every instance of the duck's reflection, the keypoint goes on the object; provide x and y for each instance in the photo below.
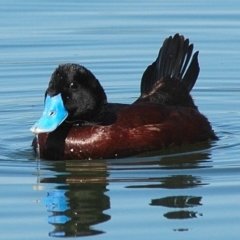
(181, 202)
(79, 202)
(182, 205)
(177, 202)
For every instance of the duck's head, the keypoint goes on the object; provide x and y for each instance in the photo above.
(73, 95)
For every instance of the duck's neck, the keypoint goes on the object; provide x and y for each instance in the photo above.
(95, 117)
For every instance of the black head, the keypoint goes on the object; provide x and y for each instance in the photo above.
(82, 94)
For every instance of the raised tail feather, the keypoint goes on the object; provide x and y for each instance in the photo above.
(174, 62)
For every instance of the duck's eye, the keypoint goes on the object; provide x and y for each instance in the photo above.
(74, 85)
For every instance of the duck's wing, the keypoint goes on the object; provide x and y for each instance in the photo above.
(174, 61)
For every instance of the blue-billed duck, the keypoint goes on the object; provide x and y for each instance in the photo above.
(79, 123)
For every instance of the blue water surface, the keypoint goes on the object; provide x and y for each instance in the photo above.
(187, 193)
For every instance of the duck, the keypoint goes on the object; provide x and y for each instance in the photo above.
(78, 123)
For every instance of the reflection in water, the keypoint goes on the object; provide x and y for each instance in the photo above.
(79, 201)
(180, 215)
(180, 181)
(184, 157)
(176, 182)
(178, 202)
(173, 182)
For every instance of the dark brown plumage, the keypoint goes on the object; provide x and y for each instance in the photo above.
(163, 116)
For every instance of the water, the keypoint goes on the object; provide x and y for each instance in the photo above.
(190, 193)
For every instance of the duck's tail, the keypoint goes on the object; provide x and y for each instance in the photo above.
(174, 61)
